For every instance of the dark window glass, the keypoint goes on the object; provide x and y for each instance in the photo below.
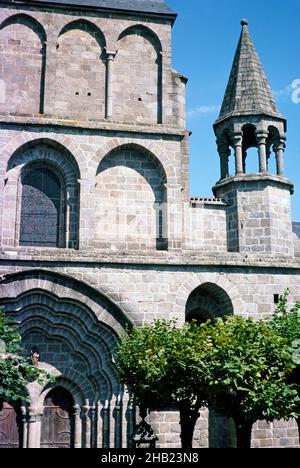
(40, 208)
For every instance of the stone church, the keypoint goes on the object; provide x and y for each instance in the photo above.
(97, 225)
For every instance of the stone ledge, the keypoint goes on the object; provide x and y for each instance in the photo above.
(256, 178)
(208, 201)
(50, 121)
(175, 258)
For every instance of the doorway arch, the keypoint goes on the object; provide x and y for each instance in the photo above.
(57, 429)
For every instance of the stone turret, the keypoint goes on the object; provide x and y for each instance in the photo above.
(259, 219)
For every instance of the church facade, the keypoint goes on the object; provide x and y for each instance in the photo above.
(97, 226)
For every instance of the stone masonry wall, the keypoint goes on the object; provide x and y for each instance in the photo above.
(80, 72)
(296, 245)
(75, 48)
(137, 86)
(99, 103)
(21, 66)
(205, 226)
(146, 292)
(259, 214)
(153, 164)
(265, 220)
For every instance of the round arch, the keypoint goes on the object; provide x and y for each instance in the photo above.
(25, 154)
(135, 218)
(45, 154)
(217, 279)
(142, 30)
(64, 142)
(140, 100)
(28, 96)
(86, 26)
(208, 302)
(75, 329)
(152, 149)
(26, 20)
(136, 148)
(65, 287)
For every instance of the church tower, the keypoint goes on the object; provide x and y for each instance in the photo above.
(259, 215)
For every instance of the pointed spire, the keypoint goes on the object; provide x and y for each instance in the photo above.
(248, 91)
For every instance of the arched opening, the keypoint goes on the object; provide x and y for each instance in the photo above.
(75, 330)
(131, 201)
(138, 77)
(42, 211)
(272, 142)
(250, 150)
(23, 65)
(11, 425)
(80, 71)
(57, 426)
(209, 302)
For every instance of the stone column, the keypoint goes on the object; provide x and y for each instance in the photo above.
(93, 427)
(106, 424)
(110, 57)
(99, 425)
(112, 422)
(67, 221)
(244, 161)
(34, 430)
(262, 151)
(43, 77)
(25, 426)
(224, 152)
(269, 153)
(87, 420)
(279, 150)
(77, 427)
(49, 73)
(238, 149)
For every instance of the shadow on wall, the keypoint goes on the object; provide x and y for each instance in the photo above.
(131, 201)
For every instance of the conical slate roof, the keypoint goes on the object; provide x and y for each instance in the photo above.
(145, 6)
(248, 91)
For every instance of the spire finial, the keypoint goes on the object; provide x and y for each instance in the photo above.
(244, 22)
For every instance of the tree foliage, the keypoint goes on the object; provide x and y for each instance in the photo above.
(237, 365)
(249, 368)
(16, 371)
(286, 323)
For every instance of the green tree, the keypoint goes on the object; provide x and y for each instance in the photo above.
(15, 370)
(286, 323)
(249, 366)
(238, 366)
(162, 366)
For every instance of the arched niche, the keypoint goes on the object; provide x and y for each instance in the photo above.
(80, 71)
(138, 77)
(131, 201)
(23, 65)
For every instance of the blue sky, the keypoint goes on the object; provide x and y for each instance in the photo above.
(205, 38)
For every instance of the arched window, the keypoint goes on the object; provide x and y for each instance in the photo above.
(42, 209)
